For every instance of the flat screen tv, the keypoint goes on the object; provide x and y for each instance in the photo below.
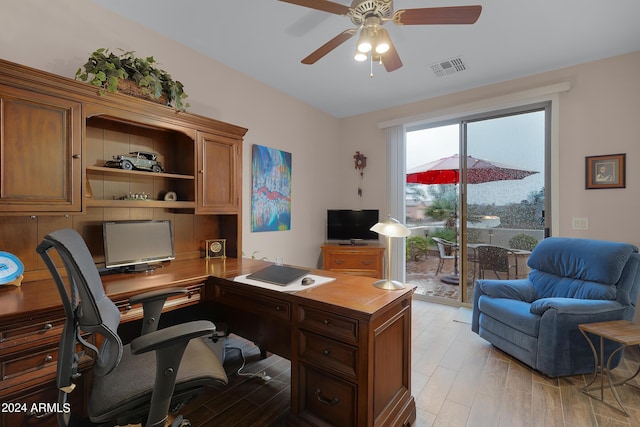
(132, 246)
(351, 225)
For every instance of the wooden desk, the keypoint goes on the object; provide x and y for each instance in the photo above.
(349, 343)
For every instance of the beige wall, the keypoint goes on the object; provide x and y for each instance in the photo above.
(58, 37)
(599, 115)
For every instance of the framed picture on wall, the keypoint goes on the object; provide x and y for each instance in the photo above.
(606, 171)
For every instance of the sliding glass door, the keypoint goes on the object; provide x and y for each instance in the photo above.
(476, 199)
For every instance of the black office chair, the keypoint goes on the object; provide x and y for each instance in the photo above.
(138, 382)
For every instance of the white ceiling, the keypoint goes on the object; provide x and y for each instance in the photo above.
(266, 39)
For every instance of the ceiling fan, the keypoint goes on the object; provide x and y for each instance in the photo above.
(370, 15)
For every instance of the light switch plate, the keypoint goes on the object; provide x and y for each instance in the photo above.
(580, 223)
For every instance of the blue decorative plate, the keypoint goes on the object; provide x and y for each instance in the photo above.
(10, 267)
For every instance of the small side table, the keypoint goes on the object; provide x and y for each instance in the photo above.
(622, 332)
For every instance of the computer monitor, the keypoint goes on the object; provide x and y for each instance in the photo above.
(133, 245)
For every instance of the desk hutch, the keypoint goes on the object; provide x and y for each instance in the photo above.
(348, 342)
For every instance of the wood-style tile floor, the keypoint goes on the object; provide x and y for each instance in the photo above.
(458, 379)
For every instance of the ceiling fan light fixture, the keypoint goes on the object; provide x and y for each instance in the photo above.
(383, 42)
(364, 41)
(360, 56)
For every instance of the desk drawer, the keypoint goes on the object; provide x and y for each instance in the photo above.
(27, 363)
(256, 303)
(34, 332)
(328, 398)
(39, 408)
(330, 354)
(355, 261)
(328, 324)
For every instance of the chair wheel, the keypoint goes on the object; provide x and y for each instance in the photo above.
(185, 423)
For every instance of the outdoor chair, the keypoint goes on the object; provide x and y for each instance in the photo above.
(446, 250)
(134, 383)
(496, 259)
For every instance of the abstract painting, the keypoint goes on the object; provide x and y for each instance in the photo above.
(270, 189)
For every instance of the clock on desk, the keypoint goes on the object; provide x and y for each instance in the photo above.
(215, 248)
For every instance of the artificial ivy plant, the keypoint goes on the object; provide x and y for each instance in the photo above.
(105, 70)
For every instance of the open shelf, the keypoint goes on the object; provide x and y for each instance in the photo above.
(96, 203)
(137, 172)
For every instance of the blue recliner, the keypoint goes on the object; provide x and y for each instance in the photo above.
(572, 281)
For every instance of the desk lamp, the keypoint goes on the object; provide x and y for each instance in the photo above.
(389, 228)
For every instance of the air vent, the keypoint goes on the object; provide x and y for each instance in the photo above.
(448, 67)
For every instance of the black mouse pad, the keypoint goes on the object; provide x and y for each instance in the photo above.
(278, 274)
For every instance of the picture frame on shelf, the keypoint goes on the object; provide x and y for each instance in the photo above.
(605, 171)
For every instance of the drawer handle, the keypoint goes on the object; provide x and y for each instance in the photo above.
(48, 358)
(324, 400)
(37, 416)
(339, 261)
(366, 262)
(326, 352)
(278, 308)
(327, 322)
(46, 327)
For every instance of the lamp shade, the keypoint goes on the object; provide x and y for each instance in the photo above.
(391, 227)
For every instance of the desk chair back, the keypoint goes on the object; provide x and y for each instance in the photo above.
(133, 383)
(86, 307)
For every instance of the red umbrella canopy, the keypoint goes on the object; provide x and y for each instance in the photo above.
(447, 171)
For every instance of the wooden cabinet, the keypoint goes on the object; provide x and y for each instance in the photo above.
(56, 134)
(40, 152)
(357, 260)
(352, 368)
(108, 136)
(28, 356)
(219, 161)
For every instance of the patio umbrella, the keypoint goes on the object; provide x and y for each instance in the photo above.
(447, 171)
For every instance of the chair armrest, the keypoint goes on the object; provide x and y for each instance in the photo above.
(156, 295)
(575, 306)
(518, 289)
(169, 345)
(172, 335)
(152, 303)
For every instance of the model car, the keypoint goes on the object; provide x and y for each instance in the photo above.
(142, 160)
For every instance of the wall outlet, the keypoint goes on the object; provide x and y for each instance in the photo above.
(580, 223)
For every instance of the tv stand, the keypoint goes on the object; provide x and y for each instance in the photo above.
(353, 242)
(360, 259)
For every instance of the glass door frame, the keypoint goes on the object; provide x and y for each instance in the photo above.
(462, 122)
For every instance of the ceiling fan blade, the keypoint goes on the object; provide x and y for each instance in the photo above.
(323, 5)
(329, 46)
(391, 59)
(438, 15)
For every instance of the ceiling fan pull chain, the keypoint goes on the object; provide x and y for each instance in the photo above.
(370, 66)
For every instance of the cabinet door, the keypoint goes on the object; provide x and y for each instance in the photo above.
(40, 158)
(219, 174)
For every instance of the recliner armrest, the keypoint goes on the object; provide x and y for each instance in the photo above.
(171, 335)
(574, 306)
(518, 289)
